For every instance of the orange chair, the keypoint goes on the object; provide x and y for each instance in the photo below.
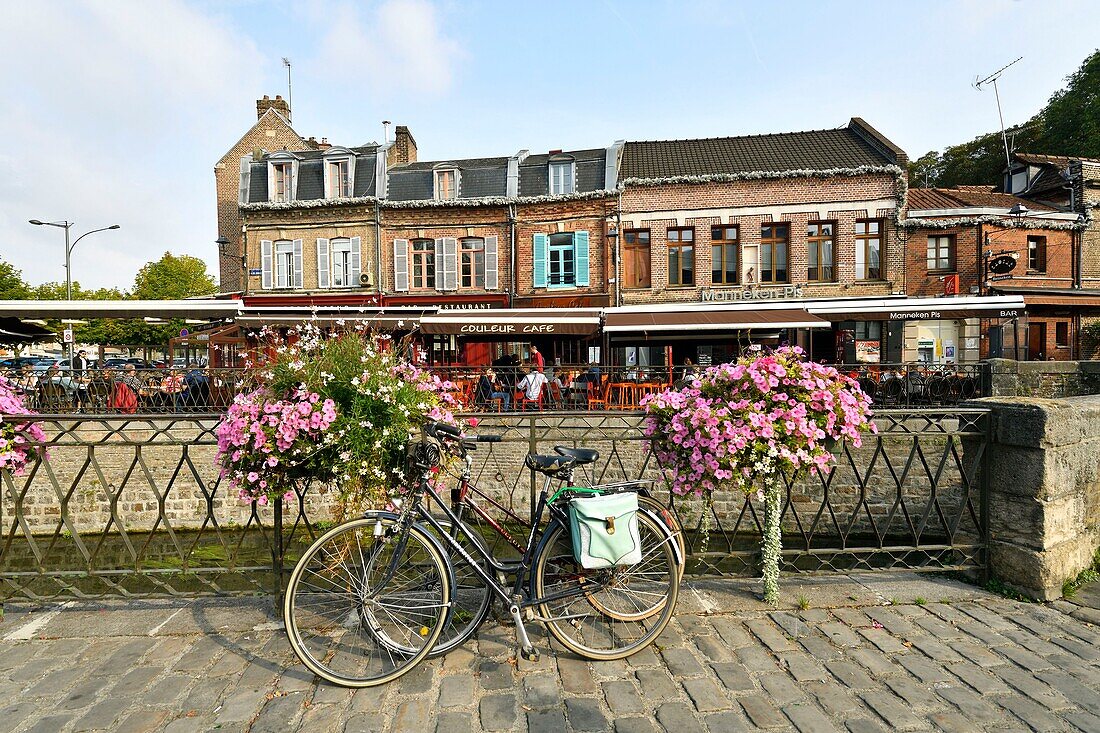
(598, 393)
(522, 402)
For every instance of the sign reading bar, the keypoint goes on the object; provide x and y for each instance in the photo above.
(953, 314)
(743, 294)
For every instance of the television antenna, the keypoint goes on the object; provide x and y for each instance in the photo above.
(992, 79)
(290, 90)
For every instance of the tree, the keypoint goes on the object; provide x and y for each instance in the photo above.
(12, 285)
(173, 277)
(1069, 124)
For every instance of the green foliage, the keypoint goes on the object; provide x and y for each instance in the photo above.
(12, 285)
(173, 277)
(1090, 574)
(1068, 125)
(920, 601)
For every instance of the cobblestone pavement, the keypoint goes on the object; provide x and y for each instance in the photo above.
(869, 653)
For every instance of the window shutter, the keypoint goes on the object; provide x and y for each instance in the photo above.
(861, 260)
(438, 261)
(265, 264)
(491, 263)
(450, 263)
(354, 262)
(246, 177)
(580, 257)
(401, 265)
(538, 269)
(297, 264)
(323, 269)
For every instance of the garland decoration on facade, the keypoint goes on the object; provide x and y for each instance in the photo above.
(1000, 221)
(428, 203)
(757, 422)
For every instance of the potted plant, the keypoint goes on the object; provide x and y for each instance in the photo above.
(20, 441)
(743, 425)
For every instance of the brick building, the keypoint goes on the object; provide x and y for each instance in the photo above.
(972, 240)
(727, 224)
(272, 131)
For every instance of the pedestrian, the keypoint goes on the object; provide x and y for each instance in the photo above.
(78, 370)
(537, 358)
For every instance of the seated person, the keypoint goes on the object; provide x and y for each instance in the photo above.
(532, 384)
(487, 390)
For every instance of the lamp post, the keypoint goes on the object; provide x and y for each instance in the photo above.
(67, 225)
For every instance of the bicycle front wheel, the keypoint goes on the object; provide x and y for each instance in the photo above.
(367, 601)
(609, 613)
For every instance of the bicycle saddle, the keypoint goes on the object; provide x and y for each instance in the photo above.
(580, 455)
(548, 464)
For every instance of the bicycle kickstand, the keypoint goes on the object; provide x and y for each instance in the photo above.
(526, 648)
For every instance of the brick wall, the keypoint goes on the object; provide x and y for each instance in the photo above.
(564, 216)
(840, 200)
(309, 225)
(270, 133)
(1089, 200)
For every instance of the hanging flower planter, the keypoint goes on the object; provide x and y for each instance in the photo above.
(20, 442)
(745, 425)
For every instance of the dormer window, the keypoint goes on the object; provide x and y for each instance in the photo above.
(446, 184)
(338, 179)
(561, 177)
(280, 181)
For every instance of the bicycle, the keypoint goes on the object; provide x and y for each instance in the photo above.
(472, 599)
(370, 598)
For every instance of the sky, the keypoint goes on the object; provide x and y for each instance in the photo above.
(115, 111)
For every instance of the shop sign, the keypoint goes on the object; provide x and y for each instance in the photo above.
(1002, 264)
(507, 328)
(748, 294)
(465, 306)
(952, 314)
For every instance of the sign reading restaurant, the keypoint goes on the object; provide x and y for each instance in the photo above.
(743, 294)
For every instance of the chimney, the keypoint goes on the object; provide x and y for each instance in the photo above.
(324, 144)
(404, 147)
(280, 105)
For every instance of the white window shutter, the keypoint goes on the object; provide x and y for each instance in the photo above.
(491, 263)
(246, 178)
(354, 263)
(401, 265)
(265, 264)
(450, 263)
(297, 283)
(323, 268)
(439, 276)
(861, 260)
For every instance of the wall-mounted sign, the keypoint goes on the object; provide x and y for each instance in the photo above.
(1002, 264)
(738, 294)
(255, 271)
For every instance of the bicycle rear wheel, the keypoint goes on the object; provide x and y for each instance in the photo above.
(613, 612)
(367, 602)
(672, 522)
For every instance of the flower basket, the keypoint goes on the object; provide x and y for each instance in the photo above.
(338, 409)
(20, 441)
(752, 421)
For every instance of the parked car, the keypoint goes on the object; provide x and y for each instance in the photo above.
(116, 362)
(17, 362)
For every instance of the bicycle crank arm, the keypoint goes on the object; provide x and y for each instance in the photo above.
(526, 648)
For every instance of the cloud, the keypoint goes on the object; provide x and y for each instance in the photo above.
(112, 116)
(397, 44)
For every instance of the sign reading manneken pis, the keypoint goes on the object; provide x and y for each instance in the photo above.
(745, 294)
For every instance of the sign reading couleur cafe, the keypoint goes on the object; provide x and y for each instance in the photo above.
(506, 328)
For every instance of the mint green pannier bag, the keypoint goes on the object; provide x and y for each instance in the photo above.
(605, 530)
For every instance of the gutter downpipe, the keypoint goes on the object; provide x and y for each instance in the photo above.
(512, 260)
(378, 249)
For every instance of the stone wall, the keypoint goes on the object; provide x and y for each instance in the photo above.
(1044, 479)
(1047, 379)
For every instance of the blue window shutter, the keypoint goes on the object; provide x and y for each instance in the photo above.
(580, 257)
(538, 269)
(540, 261)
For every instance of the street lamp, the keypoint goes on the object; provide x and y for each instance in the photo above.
(67, 225)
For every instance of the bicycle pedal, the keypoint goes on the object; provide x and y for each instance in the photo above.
(531, 656)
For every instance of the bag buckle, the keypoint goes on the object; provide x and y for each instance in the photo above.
(610, 522)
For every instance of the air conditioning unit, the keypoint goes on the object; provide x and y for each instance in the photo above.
(366, 280)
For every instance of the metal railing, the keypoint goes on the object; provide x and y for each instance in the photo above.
(133, 506)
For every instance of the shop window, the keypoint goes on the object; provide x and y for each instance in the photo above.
(820, 251)
(1037, 254)
(775, 242)
(941, 253)
(1061, 334)
(869, 249)
(681, 256)
(723, 255)
(422, 263)
(473, 262)
(636, 267)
